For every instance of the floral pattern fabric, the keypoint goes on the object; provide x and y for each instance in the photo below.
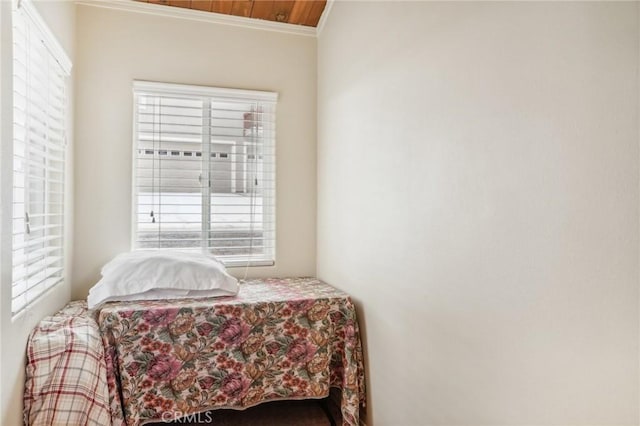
(277, 339)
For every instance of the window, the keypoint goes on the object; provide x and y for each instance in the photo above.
(40, 70)
(221, 200)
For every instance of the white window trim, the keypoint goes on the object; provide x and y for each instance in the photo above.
(142, 87)
(155, 88)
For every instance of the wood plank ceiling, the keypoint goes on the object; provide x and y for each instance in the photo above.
(300, 12)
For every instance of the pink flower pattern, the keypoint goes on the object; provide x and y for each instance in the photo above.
(234, 331)
(234, 385)
(301, 351)
(163, 367)
(271, 342)
(159, 317)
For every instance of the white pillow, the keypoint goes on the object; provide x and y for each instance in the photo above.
(161, 274)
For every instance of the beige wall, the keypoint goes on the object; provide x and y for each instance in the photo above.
(116, 47)
(478, 196)
(60, 17)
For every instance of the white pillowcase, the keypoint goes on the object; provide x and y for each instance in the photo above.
(161, 274)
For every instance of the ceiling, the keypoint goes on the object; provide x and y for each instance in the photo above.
(299, 12)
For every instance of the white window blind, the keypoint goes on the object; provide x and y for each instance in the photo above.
(40, 69)
(204, 171)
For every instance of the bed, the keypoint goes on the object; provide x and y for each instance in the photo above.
(278, 339)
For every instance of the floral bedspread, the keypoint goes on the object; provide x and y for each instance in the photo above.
(278, 339)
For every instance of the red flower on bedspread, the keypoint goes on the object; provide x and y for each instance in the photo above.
(133, 368)
(204, 329)
(235, 385)
(300, 305)
(206, 382)
(273, 347)
(234, 331)
(159, 317)
(163, 367)
(301, 351)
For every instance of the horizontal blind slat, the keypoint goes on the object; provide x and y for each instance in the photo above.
(27, 271)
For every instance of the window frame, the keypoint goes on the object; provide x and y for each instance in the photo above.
(141, 87)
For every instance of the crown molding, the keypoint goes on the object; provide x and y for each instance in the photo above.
(202, 16)
(323, 18)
